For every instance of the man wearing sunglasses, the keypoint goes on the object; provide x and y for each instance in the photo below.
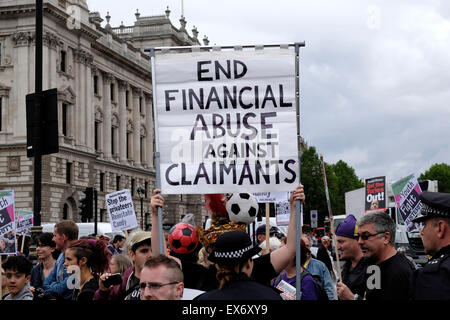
(389, 272)
(161, 279)
(432, 282)
(354, 271)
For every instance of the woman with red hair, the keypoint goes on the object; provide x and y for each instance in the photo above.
(89, 257)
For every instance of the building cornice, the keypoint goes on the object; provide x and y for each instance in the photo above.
(116, 57)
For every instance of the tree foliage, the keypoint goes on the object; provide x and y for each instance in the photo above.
(347, 180)
(441, 173)
(340, 179)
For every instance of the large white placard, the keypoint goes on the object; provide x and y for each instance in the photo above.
(7, 223)
(226, 121)
(121, 210)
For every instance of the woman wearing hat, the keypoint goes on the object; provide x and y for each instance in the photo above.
(232, 254)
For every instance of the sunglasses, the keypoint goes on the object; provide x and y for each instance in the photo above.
(366, 236)
(154, 285)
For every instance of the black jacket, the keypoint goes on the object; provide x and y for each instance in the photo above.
(432, 282)
(241, 288)
(323, 255)
(198, 277)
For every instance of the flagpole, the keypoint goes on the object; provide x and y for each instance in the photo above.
(331, 218)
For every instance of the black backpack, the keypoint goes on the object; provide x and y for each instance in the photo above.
(320, 290)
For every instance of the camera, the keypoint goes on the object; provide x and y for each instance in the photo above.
(113, 280)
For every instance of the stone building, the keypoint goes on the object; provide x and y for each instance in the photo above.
(106, 132)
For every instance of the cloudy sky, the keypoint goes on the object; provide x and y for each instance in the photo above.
(375, 80)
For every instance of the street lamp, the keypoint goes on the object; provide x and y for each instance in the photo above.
(141, 193)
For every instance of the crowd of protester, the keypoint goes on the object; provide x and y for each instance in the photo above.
(227, 265)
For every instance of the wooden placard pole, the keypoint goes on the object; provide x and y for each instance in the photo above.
(333, 235)
(267, 227)
(21, 246)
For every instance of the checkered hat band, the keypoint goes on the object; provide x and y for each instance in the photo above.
(232, 254)
(430, 210)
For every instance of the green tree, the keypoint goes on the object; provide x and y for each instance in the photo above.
(341, 178)
(439, 172)
(347, 180)
(311, 178)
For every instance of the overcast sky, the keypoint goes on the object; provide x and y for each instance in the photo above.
(375, 75)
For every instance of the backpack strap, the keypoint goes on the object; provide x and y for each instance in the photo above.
(304, 273)
(130, 290)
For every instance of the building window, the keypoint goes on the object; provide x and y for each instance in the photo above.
(68, 172)
(95, 84)
(112, 91)
(118, 183)
(64, 119)
(63, 60)
(96, 135)
(146, 188)
(132, 187)
(140, 105)
(102, 181)
(65, 211)
(113, 141)
(128, 144)
(141, 149)
(127, 96)
(102, 214)
(1, 111)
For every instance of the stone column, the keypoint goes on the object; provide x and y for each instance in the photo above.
(78, 120)
(123, 86)
(21, 42)
(107, 80)
(81, 79)
(53, 57)
(137, 127)
(149, 125)
(90, 112)
(46, 63)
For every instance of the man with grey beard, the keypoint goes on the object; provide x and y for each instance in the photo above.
(389, 272)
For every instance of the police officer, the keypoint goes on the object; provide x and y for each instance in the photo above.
(432, 282)
(232, 254)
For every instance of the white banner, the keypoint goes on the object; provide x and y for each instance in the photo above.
(271, 197)
(314, 218)
(7, 223)
(282, 210)
(25, 220)
(226, 121)
(283, 213)
(121, 210)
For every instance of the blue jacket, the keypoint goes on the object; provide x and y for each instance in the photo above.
(56, 283)
(319, 268)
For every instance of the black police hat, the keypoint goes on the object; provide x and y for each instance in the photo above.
(434, 205)
(232, 248)
(262, 230)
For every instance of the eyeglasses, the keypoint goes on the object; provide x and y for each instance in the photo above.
(366, 236)
(154, 285)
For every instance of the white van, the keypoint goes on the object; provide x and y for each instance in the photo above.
(86, 228)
